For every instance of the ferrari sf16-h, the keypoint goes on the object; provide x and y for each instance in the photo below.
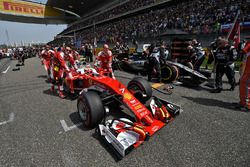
(123, 134)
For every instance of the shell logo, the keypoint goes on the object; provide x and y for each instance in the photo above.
(127, 96)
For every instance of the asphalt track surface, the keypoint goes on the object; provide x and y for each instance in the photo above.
(210, 132)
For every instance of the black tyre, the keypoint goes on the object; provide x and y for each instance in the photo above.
(90, 108)
(140, 87)
(169, 73)
(189, 65)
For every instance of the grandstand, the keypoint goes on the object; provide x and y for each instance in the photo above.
(141, 19)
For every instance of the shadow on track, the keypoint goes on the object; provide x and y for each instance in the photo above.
(42, 76)
(212, 102)
(107, 146)
(49, 92)
(68, 96)
(114, 113)
(75, 118)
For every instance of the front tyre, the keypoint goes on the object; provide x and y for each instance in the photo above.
(90, 109)
(141, 89)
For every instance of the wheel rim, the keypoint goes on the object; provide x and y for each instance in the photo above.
(166, 73)
(84, 114)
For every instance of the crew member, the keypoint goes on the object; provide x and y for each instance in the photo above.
(46, 56)
(135, 43)
(88, 52)
(22, 57)
(213, 50)
(125, 49)
(225, 57)
(105, 58)
(58, 67)
(199, 54)
(154, 62)
(70, 57)
(163, 52)
(245, 80)
(117, 49)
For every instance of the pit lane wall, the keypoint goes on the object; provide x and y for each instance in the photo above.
(30, 12)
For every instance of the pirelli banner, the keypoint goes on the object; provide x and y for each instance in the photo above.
(13, 10)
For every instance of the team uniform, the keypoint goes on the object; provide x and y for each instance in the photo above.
(58, 68)
(72, 61)
(46, 56)
(105, 58)
(200, 56)
(154, 64)
(225, 57)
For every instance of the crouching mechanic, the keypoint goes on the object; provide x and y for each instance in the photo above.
(58, 68)
(105, 58)
(245, 80)
(46, 56)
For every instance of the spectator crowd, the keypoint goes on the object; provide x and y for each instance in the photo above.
(193, 17)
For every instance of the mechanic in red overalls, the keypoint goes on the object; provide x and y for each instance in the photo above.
(245, 80)
(105, 58)
(58, 68)
(46, 56)
(70, 57)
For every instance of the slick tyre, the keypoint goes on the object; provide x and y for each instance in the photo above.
(169, 73)
(90, 109)
(140, 87)
(189, 65)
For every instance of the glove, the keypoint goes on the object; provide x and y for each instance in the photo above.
(70, 75)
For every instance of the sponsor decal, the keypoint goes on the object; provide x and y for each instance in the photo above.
(128, 96)
(18, 7)
(135, 104)
(141, 110)
(155, 128)
(170, 106)
(142, 114)
(138, 107)
(23, 8)
(133, 101)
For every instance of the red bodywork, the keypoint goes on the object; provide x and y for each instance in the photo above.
(147, 123)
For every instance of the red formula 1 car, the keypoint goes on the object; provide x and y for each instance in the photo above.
(123, 134)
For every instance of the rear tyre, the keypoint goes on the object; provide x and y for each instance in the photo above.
(140, 87)
(90, 108)
(189, 65)
(169, 73)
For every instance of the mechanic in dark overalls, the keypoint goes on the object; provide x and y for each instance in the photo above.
(22, 57)
(156, 59)
(199, 54)
(225, 57)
